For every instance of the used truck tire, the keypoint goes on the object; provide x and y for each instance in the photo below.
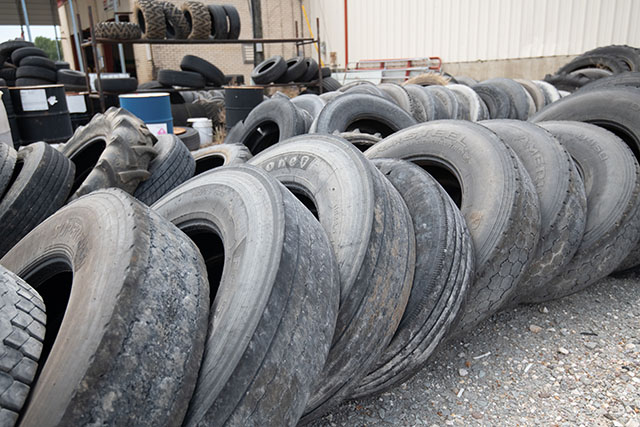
(477, 109)
(234, 21)
(272, 121)
(149, 15)
(499, 203)
(39, 61)
(210, 72)
(219, 29)
(275, 293)
(215, 156)
(443, 275)
(269, 70)
(8, 157)
(613, 108)
(198, 19)
(33, 72)
(563, 203)
(444, 99)
(40, 185)
(172, 166)
(495, 98)
(296, 68)
(113, 150)
(611, 177)
(127, 304)
(365, 221)
(170, 78)
(22, 331)
(368, 113)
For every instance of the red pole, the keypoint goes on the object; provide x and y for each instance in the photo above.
(346, 37)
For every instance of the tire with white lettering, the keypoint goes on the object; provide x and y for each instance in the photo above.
(127, 304)
(275, 289)
(499, 203)
(365, 220)
(611, 178)
(563, 203)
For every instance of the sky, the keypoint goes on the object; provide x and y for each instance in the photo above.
(10, 32)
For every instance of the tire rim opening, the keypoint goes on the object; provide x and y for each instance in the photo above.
(623, 133)
(266, 66)
(53, 282)
(187, 16)
(370, 126)
(85, 160)
(447, 179)
(208, 163)
(306, 200)
(141, 22)
(262, 137)
(212, 250)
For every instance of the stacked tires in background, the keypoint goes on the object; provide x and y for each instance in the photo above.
(157, 20)
(595, 64)
(322, 253)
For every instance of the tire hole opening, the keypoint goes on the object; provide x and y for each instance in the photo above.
(266, 66)
(307, 201)
(187, 16)
(141, 23)
(212, 250)
(85, 160)
(622, 133)
(208, 163)
(370, 126)
(446, 179)
(262, 137)
(53, 282)
(16, 171)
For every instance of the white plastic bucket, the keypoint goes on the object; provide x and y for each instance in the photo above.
(204, 127)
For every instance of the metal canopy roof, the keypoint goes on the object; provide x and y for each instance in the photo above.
(41, 12)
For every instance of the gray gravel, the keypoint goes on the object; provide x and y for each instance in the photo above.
(574, 361)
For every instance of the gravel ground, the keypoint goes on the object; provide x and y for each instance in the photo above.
(574, 361)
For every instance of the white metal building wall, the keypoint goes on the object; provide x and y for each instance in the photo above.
(470, 30)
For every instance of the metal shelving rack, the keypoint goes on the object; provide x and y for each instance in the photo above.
(93, 42)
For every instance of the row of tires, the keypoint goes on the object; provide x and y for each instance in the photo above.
(298, 69)
(156, 20)
(380, 110)
(371, 260)
(595, 64)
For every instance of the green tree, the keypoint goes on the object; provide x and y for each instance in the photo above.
(49, 46)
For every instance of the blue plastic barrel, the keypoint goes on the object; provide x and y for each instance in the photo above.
(154, 109)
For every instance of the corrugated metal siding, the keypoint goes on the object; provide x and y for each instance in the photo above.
(470, 30)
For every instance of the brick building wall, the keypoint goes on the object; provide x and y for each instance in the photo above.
(278, 18)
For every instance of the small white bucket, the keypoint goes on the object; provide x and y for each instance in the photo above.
(204, 127)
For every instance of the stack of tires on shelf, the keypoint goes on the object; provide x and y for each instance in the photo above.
(322, 253)
(595, 64)
(193, 20)
(298, 69)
